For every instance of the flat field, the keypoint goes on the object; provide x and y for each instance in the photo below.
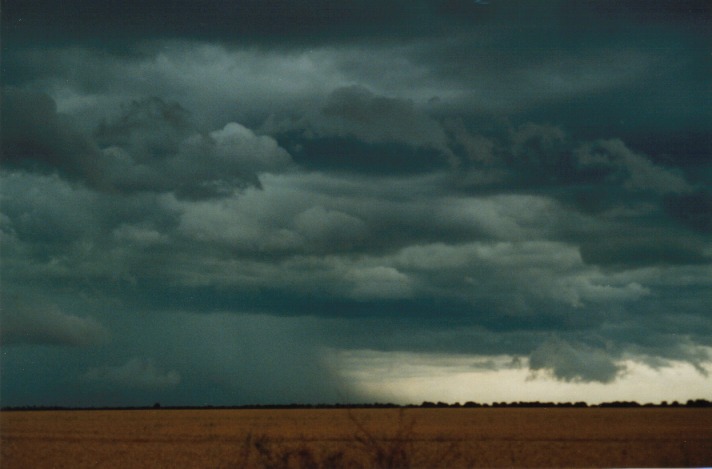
(450, 437)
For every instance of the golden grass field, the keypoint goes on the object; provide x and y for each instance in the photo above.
(319, 438)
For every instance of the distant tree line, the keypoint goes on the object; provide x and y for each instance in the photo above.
(689, 403)
(692, 403)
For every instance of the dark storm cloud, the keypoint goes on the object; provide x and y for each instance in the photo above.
(153, 147)
(36, 137)
(150, 146)
(252, 184)
(357, 130)
(155, 127)
(693, 210)
(114, 22)
(356, 111)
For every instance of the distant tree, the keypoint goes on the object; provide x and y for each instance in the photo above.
(471, 404)
(620, 404)
(699, 403)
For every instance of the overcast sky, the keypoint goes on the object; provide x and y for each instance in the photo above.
(271, 201)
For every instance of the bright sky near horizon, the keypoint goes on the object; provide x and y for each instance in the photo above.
(271, 201)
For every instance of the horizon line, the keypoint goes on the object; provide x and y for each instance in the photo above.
(692, 403)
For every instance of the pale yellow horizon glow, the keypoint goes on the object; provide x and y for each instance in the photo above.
(411, 378)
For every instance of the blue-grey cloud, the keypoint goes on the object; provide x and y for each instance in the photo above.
(570, 362)
(135, 373)
(430, 176)
(48, 325)
(36, 137)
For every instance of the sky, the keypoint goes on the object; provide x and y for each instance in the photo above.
(269, 202)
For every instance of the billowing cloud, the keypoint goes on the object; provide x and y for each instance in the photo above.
(243, 191)
(615, 161)
(37, 137)
(330, 227)
(574, 362)
(153, 147)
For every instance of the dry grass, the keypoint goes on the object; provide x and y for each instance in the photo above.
(359, 438)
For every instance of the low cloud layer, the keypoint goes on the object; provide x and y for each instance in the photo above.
(254, 202)
(47, 325)
(135, 373)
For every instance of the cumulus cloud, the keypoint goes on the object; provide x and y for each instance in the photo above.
(330, 227)
(153, 147)
(544, 156)
(135, 373)
(46, 209)
(253, 153)
(37, 137)
(509, 275)
(357, 129)
(619, 163)
(216, 83)
(575, 362)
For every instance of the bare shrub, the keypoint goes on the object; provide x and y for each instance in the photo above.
(270, 454)
(384, 447)
(387, 451)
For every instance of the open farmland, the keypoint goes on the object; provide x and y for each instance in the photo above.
(357, 438)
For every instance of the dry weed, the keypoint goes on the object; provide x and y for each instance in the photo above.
(368, 448)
